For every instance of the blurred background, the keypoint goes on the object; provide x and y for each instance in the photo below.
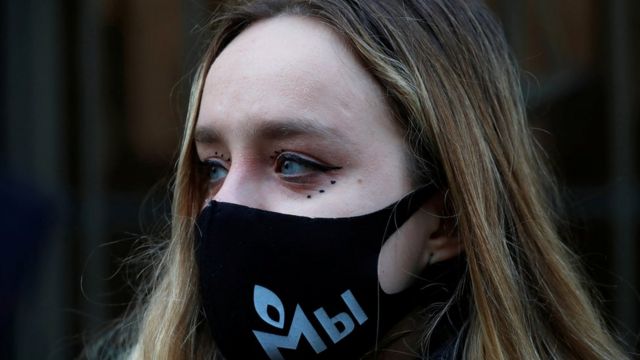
(92, 100)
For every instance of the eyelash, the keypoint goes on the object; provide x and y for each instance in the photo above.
(306, 162)
(279, 161)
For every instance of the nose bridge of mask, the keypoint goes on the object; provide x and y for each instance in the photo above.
(394, 215)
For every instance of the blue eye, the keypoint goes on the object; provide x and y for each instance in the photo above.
(217, 171)
(293, 165)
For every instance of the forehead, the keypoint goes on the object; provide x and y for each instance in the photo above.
(286, 46)
(287, 67)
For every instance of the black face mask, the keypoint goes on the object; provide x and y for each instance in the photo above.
(277, 286)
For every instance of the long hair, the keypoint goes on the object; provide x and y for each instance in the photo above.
(453, 87)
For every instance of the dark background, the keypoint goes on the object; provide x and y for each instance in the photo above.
(92, 100)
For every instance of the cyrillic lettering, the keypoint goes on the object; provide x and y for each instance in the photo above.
(329, 324)
(354, 307)
(300, 326)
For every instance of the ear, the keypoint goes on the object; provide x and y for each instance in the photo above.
(442, 242)
(426, 238)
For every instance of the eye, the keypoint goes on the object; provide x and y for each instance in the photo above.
(290, 165)
(216, 170)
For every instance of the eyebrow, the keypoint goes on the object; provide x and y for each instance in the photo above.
(276, 130)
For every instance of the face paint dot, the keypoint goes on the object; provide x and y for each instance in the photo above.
(333, 182)
(321, 191)
(308, 196)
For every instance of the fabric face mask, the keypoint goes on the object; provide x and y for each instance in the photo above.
(278, 286)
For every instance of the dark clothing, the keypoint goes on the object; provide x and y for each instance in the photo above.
(447, 340)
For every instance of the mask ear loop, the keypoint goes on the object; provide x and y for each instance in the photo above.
(375, 348)
(405, 204)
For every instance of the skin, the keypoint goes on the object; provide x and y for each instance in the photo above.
(289, 86)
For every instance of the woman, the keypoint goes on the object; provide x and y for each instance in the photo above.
(357, 180)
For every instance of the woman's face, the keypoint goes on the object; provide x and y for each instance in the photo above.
(291, 122)
(306, 128)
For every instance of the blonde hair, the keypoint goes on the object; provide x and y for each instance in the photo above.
(452, 84)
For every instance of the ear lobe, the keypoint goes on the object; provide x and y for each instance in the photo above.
(442, 248)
